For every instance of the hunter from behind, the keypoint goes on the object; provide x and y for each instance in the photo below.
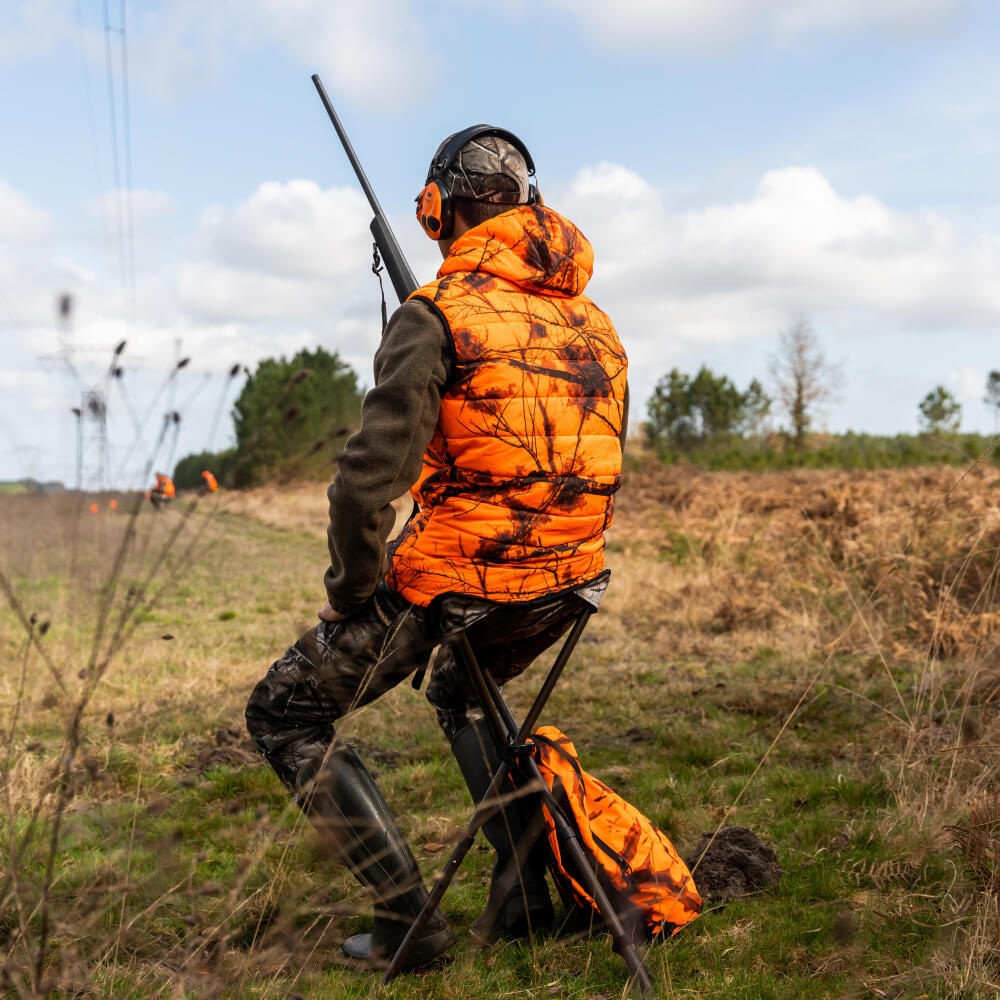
(500, 403)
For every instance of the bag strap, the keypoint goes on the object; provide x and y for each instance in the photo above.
(565, 754)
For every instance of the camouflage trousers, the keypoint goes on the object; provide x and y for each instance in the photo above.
(337, 667)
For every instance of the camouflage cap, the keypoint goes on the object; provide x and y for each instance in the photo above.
(489, 168)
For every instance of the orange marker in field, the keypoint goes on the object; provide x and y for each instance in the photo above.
(210, 483)
(93, 508)
(113, 504)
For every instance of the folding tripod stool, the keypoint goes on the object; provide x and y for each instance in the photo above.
(517, 762)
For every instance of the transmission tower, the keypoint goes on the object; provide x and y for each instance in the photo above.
(92, 413)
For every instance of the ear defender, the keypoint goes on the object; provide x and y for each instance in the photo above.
(434, 211)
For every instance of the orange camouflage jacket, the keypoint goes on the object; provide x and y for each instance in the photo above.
(517, 482)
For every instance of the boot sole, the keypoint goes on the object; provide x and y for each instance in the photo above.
(424, 952)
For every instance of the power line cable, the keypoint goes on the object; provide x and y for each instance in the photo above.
(127, 130)
(120, 382)
(16, 319)
(233, 372)
(115, 164)
(205, 380)
(91, 118)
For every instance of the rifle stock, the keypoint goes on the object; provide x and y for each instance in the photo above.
(403, 282)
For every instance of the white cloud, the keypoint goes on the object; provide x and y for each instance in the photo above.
(680, 284)
(289, 267)
(142, 204)
(372, 52)
(287, 252)
(290, 252)
(293, 229)
(38, 388)
(794, 16)
(968, 386)
(677, 23)
(20, 220)
(31, 27)
(376, 51)
(900, 298)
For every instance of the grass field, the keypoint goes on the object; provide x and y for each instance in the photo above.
(810, 654)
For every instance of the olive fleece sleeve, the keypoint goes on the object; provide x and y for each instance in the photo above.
(413, 366)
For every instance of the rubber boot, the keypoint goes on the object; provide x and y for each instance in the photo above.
(347, 809)
(518, 902)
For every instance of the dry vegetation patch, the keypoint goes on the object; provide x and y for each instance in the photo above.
(839, 627)
(786, 558)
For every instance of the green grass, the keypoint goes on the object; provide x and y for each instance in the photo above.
(156, 853)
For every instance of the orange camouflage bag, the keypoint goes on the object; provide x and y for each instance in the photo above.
(636, 865)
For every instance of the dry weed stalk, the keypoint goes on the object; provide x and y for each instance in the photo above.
(41, 946)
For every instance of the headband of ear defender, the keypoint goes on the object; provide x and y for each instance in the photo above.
(435, 208)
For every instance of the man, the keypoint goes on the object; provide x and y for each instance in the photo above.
(500, 398)
(163, 492)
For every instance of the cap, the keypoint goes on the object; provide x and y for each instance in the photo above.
(489, 168)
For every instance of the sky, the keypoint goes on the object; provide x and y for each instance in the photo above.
(738, 165)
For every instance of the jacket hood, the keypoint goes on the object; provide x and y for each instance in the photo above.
(530, 246)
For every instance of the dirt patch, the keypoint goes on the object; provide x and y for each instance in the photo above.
(736, 864)
(638, 735)
(227, 748)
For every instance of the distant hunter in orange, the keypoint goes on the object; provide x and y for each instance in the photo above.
(163, 492)
(209, 484)
(500, 403)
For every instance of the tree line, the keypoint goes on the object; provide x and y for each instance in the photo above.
(293, 416)
(291, 420)
(707, 419)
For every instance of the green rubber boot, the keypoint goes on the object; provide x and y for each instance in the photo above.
(345, 805)
(518, 903)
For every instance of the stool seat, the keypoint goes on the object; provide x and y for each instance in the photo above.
(457, 616)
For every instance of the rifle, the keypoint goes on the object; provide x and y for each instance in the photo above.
(385, 240)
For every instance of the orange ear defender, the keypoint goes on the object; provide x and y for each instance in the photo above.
(435, 211)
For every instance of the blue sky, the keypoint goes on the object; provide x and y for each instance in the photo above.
(737, 164)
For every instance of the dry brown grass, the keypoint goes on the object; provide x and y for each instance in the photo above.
(727, 562)
(894, 572)
(781, 557)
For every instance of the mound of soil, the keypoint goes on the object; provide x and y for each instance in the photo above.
(227, 748)
(736, 864)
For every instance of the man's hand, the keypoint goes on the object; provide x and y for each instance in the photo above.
(329, 615)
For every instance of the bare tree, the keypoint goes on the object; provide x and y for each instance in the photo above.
(803, 380)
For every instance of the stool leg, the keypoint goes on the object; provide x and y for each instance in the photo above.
(567, 836)
(626, 946)
(502, 723)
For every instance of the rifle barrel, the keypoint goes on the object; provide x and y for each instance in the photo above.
(348, 148)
